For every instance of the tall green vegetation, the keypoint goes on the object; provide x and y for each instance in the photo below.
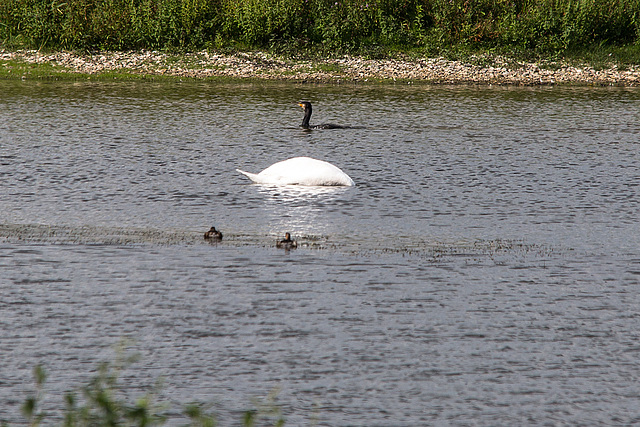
(319, 25)
(104, 401)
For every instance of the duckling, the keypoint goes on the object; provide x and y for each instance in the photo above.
(213, 234)
(287, 242)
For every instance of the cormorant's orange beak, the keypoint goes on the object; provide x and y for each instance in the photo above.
(302, 105)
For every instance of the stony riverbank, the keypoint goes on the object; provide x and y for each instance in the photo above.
(259, 65)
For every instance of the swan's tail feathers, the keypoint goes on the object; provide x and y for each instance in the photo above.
(252, 176)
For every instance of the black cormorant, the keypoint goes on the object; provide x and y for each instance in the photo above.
(306, 105)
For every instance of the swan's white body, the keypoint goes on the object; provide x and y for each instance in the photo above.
(301, 171)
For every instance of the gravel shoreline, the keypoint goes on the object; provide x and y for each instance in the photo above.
(259, 65)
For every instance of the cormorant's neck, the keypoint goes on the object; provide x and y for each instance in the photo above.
(307, 117)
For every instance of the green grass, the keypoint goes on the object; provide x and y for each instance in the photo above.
(13, 69)
(373, 28)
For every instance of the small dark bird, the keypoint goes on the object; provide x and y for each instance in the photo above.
(213, 234)
(306, 105)
(287, 242)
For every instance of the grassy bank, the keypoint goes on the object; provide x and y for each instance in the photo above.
(262, 66)
(327, 27)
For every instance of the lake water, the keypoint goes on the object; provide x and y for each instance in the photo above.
(483, 271)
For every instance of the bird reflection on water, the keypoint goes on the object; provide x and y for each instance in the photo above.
(302, 210)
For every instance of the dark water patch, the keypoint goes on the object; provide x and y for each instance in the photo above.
(498, 251)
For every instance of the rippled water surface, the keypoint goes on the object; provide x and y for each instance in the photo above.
(483, 271)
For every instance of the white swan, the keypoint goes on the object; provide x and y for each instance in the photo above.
(301, 171)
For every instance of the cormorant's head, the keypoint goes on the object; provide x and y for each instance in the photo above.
(287, 236)
(306, 105)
